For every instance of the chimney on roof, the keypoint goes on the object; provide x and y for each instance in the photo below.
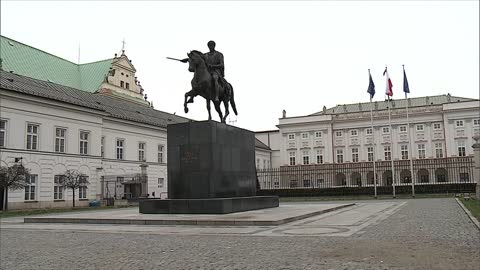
(449, 97)
(324, 109)
(345, 108)
(284, 114)
(115, 56)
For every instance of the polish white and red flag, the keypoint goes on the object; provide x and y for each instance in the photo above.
(389, 85)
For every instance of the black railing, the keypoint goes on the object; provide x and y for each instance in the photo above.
(429, 175)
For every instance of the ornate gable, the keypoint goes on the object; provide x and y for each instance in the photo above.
(121, 80)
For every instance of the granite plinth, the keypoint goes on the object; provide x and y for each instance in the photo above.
(207, 206)
(208, 159)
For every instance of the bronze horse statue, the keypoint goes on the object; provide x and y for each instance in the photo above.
(203, 85)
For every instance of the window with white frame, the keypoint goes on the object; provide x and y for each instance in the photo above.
(3, 133)
(370, 153)
(386, 130)
(319, 156)
(160, 153)
(421, 150)
(141, 151)
(419, 127)
(338, 133)
(476, 122)
(387, 152)
(306, 157)
(60, 140)
(404, 151)
(403, 129)
(318, 134)
(340, 155)
(369, 131)
(354, 154)
(461, 148)
(459, 123)
(291, 136)
(354, 132)
(160, 182)
(31, 181)
(58, 187)
(439, 150)
(305, 135)
(32, 137)
(84, 142)
(82, 190)
(119, 149)
(437, 126)
(102, 146)
(292, 156)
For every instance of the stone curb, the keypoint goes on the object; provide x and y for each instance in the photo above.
(469, 214)
(182, 221)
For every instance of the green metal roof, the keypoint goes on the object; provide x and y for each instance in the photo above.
(28, 61)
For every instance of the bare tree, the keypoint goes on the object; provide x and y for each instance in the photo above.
(12, 178)
(74, 180)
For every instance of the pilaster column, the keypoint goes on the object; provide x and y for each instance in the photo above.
(476, 166)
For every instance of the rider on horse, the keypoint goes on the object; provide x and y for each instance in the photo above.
(214, 61)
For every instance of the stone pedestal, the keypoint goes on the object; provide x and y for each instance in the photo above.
(211, 169)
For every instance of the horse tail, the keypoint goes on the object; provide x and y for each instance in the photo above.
(232, 100)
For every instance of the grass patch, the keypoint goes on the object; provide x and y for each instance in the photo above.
(363, 197)
(31, 212)
(473, 206)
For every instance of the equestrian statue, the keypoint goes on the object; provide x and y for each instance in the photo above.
(209, 81)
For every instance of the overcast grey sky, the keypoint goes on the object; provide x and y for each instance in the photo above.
(297, 56)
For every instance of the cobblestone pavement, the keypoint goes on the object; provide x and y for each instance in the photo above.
(404, 234)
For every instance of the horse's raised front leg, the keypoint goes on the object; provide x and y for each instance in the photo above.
(188, 94)
(208, 109)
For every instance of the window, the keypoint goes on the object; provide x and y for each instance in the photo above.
(57, 187)
(461, 148)
(388, 152)
(340, 155)
(82, 189)
(127, 85)
(421, 150)
(318, 134)
(338, 133)
(476, 122)
(386, 130)
(292, 158)
(370, 153)
(404, 151)
(160, 182)
(369, 131)
(403, 128)
(354, 154)
(437, 126)
(258, 163)
(121, 84)
(3, 132)
(119, 148)
(84, 142)
(319, 156)
(160, 153)
(60, 140)
(306, 157)
(141, 151)
(304, 135)
(459, 123)
(419, 127)
(32, 137)
(354, 132)
(306, 183)
(291, 136)
(464, 177)
(102, 146)
(264, 163)
(439, 150)
(30, 187)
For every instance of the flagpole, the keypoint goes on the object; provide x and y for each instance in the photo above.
(409, 137)
(391, 146)
(374, 145)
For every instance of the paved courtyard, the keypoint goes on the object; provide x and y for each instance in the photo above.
(397, 234)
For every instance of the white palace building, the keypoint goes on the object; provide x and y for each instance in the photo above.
(304, 148)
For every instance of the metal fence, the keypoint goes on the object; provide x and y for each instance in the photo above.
(456, 171)
(128, 186)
